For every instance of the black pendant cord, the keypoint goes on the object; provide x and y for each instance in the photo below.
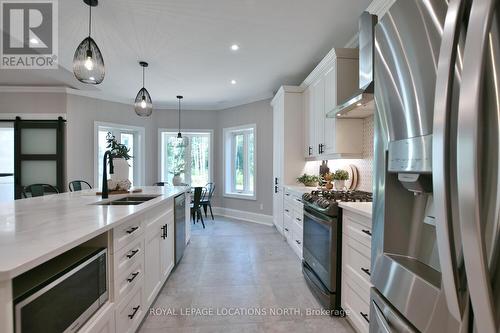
(142, 76)
(90, 19)
(90, 24)
(179, 116)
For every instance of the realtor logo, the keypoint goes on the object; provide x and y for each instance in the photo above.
(29, 34)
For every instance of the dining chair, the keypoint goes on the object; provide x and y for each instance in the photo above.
(78, 185)
(161, 184)
(196, 205)
(38, 190)
(206, 202)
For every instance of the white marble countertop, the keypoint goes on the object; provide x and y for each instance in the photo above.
(361, 208)
(301, 188)
(35, 230)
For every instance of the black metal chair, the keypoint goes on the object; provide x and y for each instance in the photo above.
(196, 205)
(206, 201)
(38, 190)
(78, 185)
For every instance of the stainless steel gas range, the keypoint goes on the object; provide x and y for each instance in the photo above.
(323, 243)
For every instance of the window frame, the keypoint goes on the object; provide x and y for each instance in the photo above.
(229, 135)
(138, 154)
(187, 132)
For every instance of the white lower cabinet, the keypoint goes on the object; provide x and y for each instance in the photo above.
(159, 254)
(130, 312)
(140, 261)
(102, 322)
(356, 247)
(293, 214)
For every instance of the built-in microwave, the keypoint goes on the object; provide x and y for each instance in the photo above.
(62, 294)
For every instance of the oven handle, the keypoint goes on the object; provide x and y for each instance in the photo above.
(327, 223)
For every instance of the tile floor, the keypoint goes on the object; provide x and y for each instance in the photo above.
(238, 266)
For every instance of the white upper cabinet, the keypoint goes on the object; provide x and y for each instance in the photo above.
(332, 82)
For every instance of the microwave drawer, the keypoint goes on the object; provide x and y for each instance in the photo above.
(127, 232)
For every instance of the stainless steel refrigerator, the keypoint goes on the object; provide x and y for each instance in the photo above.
(436, 213)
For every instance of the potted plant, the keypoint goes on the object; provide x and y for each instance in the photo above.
(339, 178)
(120, 154)
(308, 180)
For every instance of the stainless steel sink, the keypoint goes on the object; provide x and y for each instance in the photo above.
(136, 198)
(127, 201)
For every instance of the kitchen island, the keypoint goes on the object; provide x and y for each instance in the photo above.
(36, 230)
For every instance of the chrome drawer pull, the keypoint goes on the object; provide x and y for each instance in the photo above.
(286, 210)
(364, 315)
(298, 242)
(286, 229)
(133, 253)
(134, 275)
(366, 231)
(298, 219)
(366, 270)
(131, 230)
(131, 316)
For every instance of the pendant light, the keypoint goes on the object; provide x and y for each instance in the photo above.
(179, 135)
(88, 64)
(143, 105)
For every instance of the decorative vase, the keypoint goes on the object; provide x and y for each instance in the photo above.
(121, 169)
(177, 180)
(339, 184)
(329, 185)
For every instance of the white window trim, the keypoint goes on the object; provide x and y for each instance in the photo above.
(142, 149)
(229, 163)
(186, 131)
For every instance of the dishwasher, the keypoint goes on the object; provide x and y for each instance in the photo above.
(180, 226)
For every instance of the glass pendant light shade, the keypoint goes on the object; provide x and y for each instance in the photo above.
(143, 104)
(88, 64)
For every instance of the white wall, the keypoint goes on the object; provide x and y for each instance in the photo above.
(259, 113)
(81, 113)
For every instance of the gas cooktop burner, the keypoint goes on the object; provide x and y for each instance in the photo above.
(327, 201)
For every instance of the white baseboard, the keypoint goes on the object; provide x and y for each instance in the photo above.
(244, 216)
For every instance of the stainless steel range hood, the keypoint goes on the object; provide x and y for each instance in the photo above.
(361, 104)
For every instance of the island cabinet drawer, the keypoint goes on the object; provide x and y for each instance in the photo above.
(357, 228)
(130, 312)
(357, 310)
(357, 257)
(128, 257)
(127, 281)
(127, 232)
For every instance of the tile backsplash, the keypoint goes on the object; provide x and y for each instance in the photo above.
(364, 165)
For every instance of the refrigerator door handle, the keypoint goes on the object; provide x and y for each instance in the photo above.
(471, 96)
(383, 325)
(440, 151)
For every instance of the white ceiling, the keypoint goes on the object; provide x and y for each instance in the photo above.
(187, 44)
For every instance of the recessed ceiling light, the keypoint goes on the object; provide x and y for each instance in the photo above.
(233, 81)
(235, 47)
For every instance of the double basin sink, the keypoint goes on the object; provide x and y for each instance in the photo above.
(128, 201)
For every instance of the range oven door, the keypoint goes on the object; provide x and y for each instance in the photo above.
(320, 249)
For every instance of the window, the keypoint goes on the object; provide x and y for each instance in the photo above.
(239, 156)
(190, 157)
(130, 136)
